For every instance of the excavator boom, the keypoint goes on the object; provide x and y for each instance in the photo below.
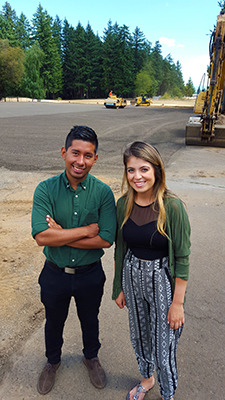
(207, 129)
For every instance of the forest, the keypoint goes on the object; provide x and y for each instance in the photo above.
(49, 58)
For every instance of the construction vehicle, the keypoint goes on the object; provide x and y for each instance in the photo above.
(115, 102)
(143, 100)
(201, 93)
(208, 129)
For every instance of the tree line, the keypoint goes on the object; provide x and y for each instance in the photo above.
(49, 58)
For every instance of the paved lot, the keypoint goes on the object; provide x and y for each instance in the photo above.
(30, 140)
(32, 134)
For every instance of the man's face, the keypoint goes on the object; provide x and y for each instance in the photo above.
(79, 159)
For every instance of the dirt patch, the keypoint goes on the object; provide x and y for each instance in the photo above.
(21, 261)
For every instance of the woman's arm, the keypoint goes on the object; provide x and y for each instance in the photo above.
(176, 311)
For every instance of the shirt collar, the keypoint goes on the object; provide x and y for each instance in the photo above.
(83, 184)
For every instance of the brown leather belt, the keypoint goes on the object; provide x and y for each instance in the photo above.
(73, 270)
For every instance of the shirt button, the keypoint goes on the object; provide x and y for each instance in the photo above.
(76, 195)
(73, 260)
(84, 187)
(75, 213)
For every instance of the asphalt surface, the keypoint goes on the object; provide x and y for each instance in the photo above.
(31, 136)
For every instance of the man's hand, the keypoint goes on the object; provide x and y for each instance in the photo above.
(52, 223)
(92, 229)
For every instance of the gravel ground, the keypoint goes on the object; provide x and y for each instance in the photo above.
(31, 138)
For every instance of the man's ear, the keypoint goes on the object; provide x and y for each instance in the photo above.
(63, 153)
(96, 157)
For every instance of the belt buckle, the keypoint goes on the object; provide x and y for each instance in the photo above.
(68, 270)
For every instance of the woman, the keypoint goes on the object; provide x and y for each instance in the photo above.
(152, 264)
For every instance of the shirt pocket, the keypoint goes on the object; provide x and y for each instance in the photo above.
(89, 216)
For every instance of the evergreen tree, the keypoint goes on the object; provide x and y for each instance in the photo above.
(189, 88)
(80, 72)
(3, 27)
(157, 63)
(180, 81)
(108, 58)
(69, 61)
(51, 70)
(23, 30)
(139, 49)
(57, 34)
(117, 61)
(8, 25)
(77, 63)
(93, 69)
(126, 61)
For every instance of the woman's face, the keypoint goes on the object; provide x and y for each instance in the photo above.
(140, 175)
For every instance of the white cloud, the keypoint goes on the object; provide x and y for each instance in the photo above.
(194, 68)
(169, 42)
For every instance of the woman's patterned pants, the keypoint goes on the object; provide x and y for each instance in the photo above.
(148, 293)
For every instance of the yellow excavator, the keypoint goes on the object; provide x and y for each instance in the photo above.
(208, 128)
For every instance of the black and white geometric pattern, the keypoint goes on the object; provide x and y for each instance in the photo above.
(147, 289)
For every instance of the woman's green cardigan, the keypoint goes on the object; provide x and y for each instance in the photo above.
(178, 231)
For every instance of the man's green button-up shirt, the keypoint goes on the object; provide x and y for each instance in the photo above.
(92, 202)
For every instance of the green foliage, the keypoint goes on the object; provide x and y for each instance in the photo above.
(189, 88)
(222, 5)
(51, 70)
(11, 68)
(142, 83)
(32, 84)
(93, 60)
(69, 60)
(8, 23)
(63, 61)
(23, 30)
(166, 96)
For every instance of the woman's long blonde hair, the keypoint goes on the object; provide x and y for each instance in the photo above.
(150, 154)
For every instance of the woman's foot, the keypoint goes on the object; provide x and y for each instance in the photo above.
(170, 399)
(139, 391)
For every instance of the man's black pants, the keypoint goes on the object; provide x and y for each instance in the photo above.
(57, 288)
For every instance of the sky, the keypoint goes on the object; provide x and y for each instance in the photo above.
(182, 27)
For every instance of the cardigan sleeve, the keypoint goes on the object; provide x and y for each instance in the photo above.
(120, 250)
(178, 229)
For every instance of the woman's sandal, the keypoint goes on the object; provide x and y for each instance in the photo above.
(140, 389)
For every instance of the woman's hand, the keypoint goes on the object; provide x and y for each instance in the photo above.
(176, 311)
(120, 300)
(52, 223)
(176, 315)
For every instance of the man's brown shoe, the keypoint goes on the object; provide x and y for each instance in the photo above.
(96, 372)
(47, 378)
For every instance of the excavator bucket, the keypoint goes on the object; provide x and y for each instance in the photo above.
(194, 136)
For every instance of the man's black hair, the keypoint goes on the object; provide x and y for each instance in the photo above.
(79, 132)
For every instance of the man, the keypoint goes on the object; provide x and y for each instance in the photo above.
(74, 217)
